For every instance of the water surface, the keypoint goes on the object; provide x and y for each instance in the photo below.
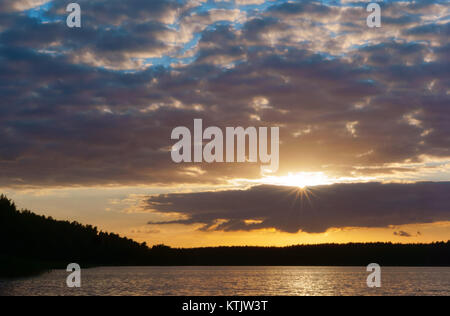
(230, 281)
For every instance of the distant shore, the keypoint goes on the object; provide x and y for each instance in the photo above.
(12, 267)
(355, 254)
(31, 244)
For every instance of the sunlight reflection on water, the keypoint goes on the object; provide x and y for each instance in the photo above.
(230, 281)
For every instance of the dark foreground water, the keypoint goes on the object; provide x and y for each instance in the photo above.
(230, 281)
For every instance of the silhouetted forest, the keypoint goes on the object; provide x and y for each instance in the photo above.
(30, 244)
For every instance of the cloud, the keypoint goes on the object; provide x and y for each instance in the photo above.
(96, 105)
(320, 208)
(402, 233)
(20, 5)
(116, 12)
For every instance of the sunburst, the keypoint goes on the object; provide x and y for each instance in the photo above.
(301, 180)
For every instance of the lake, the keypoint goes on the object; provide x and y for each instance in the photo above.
(235, 281)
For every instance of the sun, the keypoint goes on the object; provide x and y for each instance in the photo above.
(301, 179)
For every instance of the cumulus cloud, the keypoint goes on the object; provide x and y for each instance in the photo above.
(96, 105)
(20, 5)
(315, 210)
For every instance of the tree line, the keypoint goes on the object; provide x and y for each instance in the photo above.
(30, 243)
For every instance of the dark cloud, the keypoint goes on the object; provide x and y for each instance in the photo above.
(402, 234)
(115, 12)
(430, 29)
(317, 210)
(98, 45)
(304, 7)
(19, 5)
(85, 107)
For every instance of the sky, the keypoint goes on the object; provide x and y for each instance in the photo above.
(86, 116)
